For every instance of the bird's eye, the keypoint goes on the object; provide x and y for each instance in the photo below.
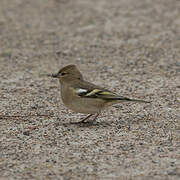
(62, 74)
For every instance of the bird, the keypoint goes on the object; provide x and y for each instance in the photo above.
(84, 97)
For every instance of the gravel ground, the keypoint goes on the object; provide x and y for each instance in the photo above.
(130, 46)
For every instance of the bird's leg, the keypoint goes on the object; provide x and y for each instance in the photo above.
(89, 117)
(96, 116)
(83, 121)
(86, 118)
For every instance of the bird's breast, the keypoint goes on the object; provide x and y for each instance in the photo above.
(80, 104)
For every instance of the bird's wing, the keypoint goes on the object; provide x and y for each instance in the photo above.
(88, 90)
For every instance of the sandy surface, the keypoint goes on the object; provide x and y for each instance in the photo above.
(130, 46)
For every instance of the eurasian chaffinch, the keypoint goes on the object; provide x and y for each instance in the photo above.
(84, 97)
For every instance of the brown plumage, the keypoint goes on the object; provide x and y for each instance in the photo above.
(84, 97)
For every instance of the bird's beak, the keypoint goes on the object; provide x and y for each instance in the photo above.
(54, 75)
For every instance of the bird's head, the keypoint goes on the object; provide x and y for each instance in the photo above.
(68, 73)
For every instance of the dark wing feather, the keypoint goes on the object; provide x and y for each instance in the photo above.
(94, 91)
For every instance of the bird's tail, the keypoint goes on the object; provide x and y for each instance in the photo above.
(139, 100)
(125, 99)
